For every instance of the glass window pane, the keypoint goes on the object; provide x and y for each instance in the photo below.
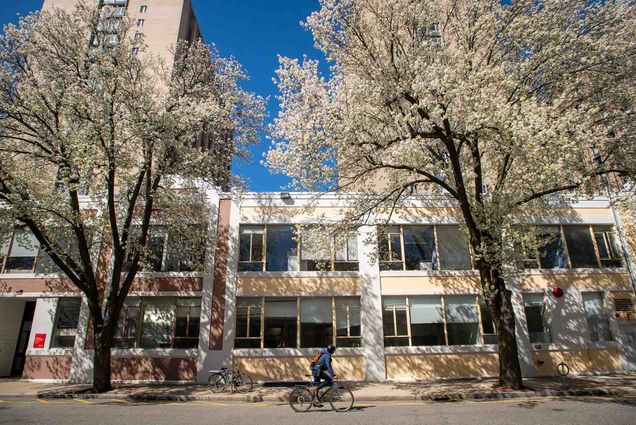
(426, 309)
(158, 317)
(419, 247)
(281, 249)
(536, 318)
(401, 321)
(552, 253)
(348, 314)
(597, 320)
(66, 322)
(580, 246)
(453, 248)
(22, 253)
(316, 326)
(396, 247)
(244, 243)
(280, 322)
(462, 320)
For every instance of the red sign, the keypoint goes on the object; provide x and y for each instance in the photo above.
(38, 341)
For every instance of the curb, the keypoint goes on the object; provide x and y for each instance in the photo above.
(260, 398)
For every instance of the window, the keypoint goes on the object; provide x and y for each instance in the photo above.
(391, 248)
(431, 320)
(552, 252)
(607, 247)
(348, 327)
(281, 251)
(341, 255)
(427, 320)
(276, 248)
(128, 325)
(187, 323)
(280, 325)
(416, 248)
(536, 318)
(156, 326)
(419, 248)
(23, 252)
(597, 321)
(251, 241)
(462, 320)
(316, 322)
(453, 248)
(346, 256)
(135, 51)
(489, 332)
(143, 9)
(394, 317)
(66, 319)
(308, 322)
(580, 246)
(138, 36)
(248, 323)
(140, 22)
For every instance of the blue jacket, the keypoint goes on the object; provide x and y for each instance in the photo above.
(323, 363)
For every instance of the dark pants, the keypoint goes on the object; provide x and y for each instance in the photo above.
(322, 375)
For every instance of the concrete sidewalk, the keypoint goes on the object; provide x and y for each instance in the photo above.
(608, 385)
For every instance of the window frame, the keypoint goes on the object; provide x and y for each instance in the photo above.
(9, 249)
(143, 8)
(605, 316)
(66, 331)
(140, 22)
(442, 298)
(298, 300)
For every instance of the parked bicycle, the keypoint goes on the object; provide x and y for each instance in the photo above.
(302, 398)
(232, 379)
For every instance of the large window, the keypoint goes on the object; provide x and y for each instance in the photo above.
(66, 319)
(276, 248)
(159, 322)
(23, 253)
(280, 324)
(537, 318)
(432, 320)
(316, 322)
(442, 247)
(306, 322)
(580, 246)
(576, 246)
(607, 247)
(597, 321)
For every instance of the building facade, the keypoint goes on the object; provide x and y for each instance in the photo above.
(401, 302)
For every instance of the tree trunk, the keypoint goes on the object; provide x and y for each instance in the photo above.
(101, 364)
(509, 366)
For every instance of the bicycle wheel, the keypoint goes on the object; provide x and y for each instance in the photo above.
(216, 382)
(300, 399)
(243, 383)
(341, 399)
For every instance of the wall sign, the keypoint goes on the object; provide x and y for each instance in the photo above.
(38, 340)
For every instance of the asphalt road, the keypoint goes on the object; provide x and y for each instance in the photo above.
(580, 411)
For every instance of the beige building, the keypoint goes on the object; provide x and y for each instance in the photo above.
(162, 23)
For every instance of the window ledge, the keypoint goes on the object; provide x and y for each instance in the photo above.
(588, 345)
(153, 352)
(430, 273)
(32, 275)
(298, 274)
(293, 352)
(49, 352)
(602, 270)
(155, 275)
(442, 349)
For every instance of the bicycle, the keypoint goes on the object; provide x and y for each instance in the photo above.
(234, 379)
(302, 398)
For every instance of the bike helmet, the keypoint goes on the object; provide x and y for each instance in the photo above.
(331, 348)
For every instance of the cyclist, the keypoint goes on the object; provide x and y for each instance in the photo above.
(322, 370)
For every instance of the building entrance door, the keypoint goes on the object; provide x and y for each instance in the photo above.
(23, 339)
(628, 330)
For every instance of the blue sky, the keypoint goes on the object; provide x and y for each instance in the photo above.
(254, 32)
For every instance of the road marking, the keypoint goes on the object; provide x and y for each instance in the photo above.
(42, 401)
(79, 400)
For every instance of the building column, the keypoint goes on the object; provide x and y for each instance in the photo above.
(524, 347)
(371, 305)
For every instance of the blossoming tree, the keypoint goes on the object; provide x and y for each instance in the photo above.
(500, 107)
(98, 138)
